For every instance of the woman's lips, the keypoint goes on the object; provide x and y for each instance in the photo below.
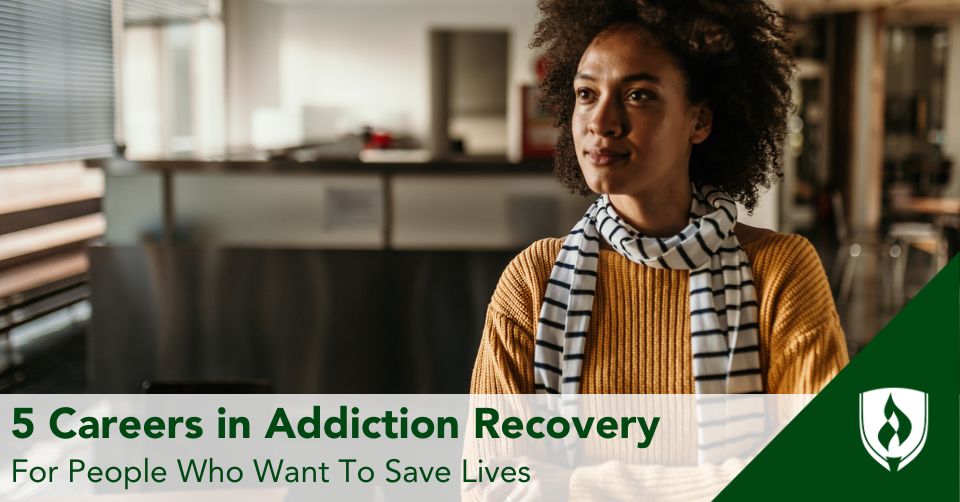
(605, 158)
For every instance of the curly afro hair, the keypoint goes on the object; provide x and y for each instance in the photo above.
(734, 55)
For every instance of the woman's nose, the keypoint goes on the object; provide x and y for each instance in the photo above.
(608, 118)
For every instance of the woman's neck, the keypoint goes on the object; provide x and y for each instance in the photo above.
(657, 213)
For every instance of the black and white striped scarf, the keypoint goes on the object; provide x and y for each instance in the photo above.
(723, 299)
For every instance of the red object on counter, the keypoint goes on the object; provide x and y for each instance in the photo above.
(379, 141)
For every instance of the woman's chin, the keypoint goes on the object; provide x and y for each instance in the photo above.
(597, 182)
(607, 180)
(604, 185)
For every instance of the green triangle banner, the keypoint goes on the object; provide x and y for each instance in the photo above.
(887, 427)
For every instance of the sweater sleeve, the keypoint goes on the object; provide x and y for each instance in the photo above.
(807, 347)
(504, 362)
(500, 367)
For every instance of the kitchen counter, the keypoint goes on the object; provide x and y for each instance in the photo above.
(477, 205)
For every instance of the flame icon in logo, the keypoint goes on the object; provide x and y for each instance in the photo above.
(900, 428)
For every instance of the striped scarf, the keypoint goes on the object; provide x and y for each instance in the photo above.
(723, 300)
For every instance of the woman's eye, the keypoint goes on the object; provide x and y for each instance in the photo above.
(641, 96)
(584, 93)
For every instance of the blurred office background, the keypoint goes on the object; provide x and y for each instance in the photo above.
(320, 195)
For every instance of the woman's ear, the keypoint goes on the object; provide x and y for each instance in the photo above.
(703, 125)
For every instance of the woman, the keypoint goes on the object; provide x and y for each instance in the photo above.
(671, 111)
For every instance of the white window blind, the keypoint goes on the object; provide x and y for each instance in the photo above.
(56, 80)
(139, 12)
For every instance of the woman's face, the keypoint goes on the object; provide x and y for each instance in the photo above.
(633, 126)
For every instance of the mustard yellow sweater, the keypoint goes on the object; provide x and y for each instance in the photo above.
(639, 340)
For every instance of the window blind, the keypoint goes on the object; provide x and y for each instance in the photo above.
(56, 80)
(138, 12)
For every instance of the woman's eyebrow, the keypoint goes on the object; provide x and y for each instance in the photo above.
(635, 77)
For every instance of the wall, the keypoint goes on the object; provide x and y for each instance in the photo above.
(252, 30)
(357, 63)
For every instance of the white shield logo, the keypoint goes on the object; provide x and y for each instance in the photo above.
(893, 425)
